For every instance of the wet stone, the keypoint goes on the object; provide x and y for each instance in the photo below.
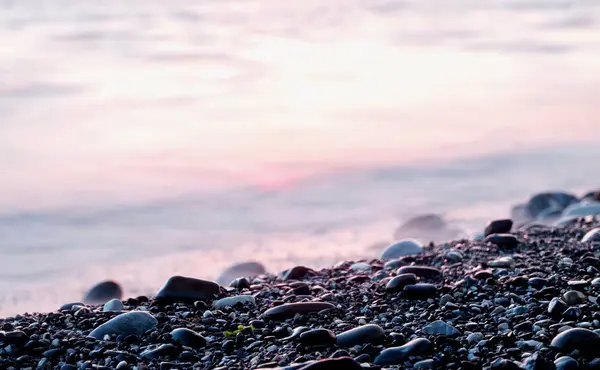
(135, 322)
(297, 273)
(420, 271)
(592, 236)
(114, 305)
(317, 337)
(291, 309)
(181, 288)
(573, 297)
(397, 355)
(566, 363)
(405, 247)
(420, 291)
(239, 270)
(557, 306)
(501, 226)
(232, 301)
(439, 327)
(369, 333)
(397, 283)
(583, 340)
(188, 338)
(507, 241)
(103, 292)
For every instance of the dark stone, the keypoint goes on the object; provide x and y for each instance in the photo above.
(524, 326)
(103, 292)
(370, 333)
(397, 283)
(397, 355)
(135, 322)
(317, 337)
(566, 363)
(583, 340)
(188, 338)
(69, 306)
(507, 241)
(240, 283)
(340, 353)
(244, 269)
(291, 309)
(550, 200)
(420, 291)
(300, 288)
(502, 226)
(538, 362)
(181, 288)
(297, 273)
(420, 271)
(504, 364)
(162, 350)
(483, 274)
(342, 363)
(394, 264)
(15, 337)
(537, 282)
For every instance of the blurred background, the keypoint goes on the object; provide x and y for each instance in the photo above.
(141, 139)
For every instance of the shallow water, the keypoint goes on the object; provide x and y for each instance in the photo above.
(144, 139)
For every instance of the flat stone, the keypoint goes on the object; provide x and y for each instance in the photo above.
(502, 226)
(582, 209)
(595, 282)
(592, 236)
(424, 365)
(397, 355)
(420, 271)
(369, 333)
(439, 327)
(317, 337)
(135, 322)
(155, 351)
(583, 340)
(103, 292)
(188, 338)
(507, 241)
(397, 283)
(232, 301)
(291, 309)
(181, 288)
(405, 247)
(420, 291)
(244, 269)
(114, 305)
(69, 306)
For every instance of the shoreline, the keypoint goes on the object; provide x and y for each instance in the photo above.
(522, 298)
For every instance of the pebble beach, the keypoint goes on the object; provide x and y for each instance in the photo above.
(521, 294)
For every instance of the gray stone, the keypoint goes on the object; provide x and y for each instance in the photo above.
(232, 301)
(397, 355)
(583, 340)
(582, 209)
(135, 322)
(113, 305)
(244, 269)
(402, 248)
(187, 289)
(573, 297)
(592, 236)
(103, 292)
(291, 309)
(370, 333)
(440, 328)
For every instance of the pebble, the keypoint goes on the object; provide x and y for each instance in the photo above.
(341, 363)
(397, 283)
(501, 226)
(232, 301)
(573, 297)
(69, 306)
(420, 291)
(188, 338)
(115, 305)
(317, 337)
(439, 327)
(550, 200)
(424, 364)
(397, 355)
(583, 340)
(394, 264)
(238, 270)
(591, 236)
(181, 288)
(503, 262)
(420, 271)
(582, 209)
(405, 247)
(360, 267)
(135, 322)
(566, 363)
(507, 241)
(370, 333)
(291, 309)
(103, 292)
(297, 273)
(475, 337)
(596, 282)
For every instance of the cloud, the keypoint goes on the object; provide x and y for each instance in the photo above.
(38, 90)
(522, 47)
(570, 22)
